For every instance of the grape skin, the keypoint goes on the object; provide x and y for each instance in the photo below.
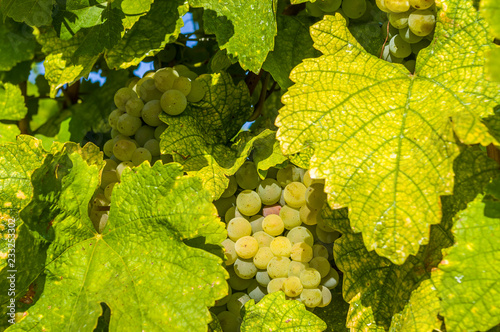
(263, 257)
(246, 247)
(173, 102)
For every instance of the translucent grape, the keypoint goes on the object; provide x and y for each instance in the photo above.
(300, 234)
(160, 129)
(262, 257)
(331, 280)
(148, 91)
(248, 202)
(109, 189)
(141, 155)
(114, 132)
(99, 219)
(290, 217)
(421, 4)
(320, 250)
(124, 149)
(399, 20)
(278, 267)
(197, 92)
(292, 286)
(409, 36)
(121, 167)
(150, 113)
(247, 176)
(354, 8)
(381, 5)
(246, 247)
(397, 6)
(228, 321)
(281, 246)
(108, 148)
(315, 195)
(231, 187)
(321, 264)
(398, 47)
(422, 22)
(173, 102)
(245, 268)
(114, 116)
(128, 125)
(418, 46)
(326, 237)
(238, 228)
(295, 268)
(294, 194)
(100, 200)
(236, 302)
(313, 9)
(275, 285)
(263, 238)
(287, 175)
(262, 278)
(132, 82)
(134, 106)
(410, 65)
(164, 78)
(229, 251)
(144, 134)
(256, 292)
(224, 203)
(273, 225)
(236, 282)
(329, 6)
(256, 222)
(122, 96)
(269, 191)
(181, 69)
(301, 252)
(153, 146)
(110, 165)
(308, 216)
(310, 278)
(182, 84)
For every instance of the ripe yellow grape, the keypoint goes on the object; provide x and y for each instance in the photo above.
(245, 268)
(301, 252)
(321, 264)
(278, 267)
(229, 251)
(275, 285)
(246, 247)
(238, 227)
(248, 202)
(281, 246)
(273, 225)
(295, 268)
(310, 278)
(300, 234)
(292, 286)
(290, 217)
(311, 297)
(262, 257)
(294, 194)
(263, 239)
(326, 296)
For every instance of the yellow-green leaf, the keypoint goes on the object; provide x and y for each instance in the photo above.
(11, 102)
(383, 138)
(468, 279)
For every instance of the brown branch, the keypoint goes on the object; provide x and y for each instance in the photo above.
(262, 99)
(493, 153)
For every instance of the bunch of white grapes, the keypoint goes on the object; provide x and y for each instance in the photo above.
(136, 127)
(349, 9)
(409, 29)
(277, 240)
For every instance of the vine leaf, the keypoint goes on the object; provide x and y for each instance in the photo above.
(33, 12)
(16, 44)
(161, 25)
(468, 280)
(11, 102)
(384, 138)
(60, 65)
(199, 138)
(275, 313)
(334, 314)
(293, 43)
(370, 280)
(490, 9)
(254, 25)
(267, 152)
(420, 313)
(140, 266)
(8, 133)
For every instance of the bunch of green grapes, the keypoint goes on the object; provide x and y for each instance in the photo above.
(277, 240)
(136, 127)
(409, 29)
(357, 10)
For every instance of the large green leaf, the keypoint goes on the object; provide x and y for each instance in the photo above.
(17, 44)
(267, 152)
(33, 12)
(254, 25)
(149, 35)
(134, 10)
(140, 265)
(384, 138)
(468, 280)
(420, 313)
(11, 102)
(8, 132)
(490, 9)
(293, 43)
(200, 137)
(72, 16)
(375, 287)
(275, 313)
(60, 65)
